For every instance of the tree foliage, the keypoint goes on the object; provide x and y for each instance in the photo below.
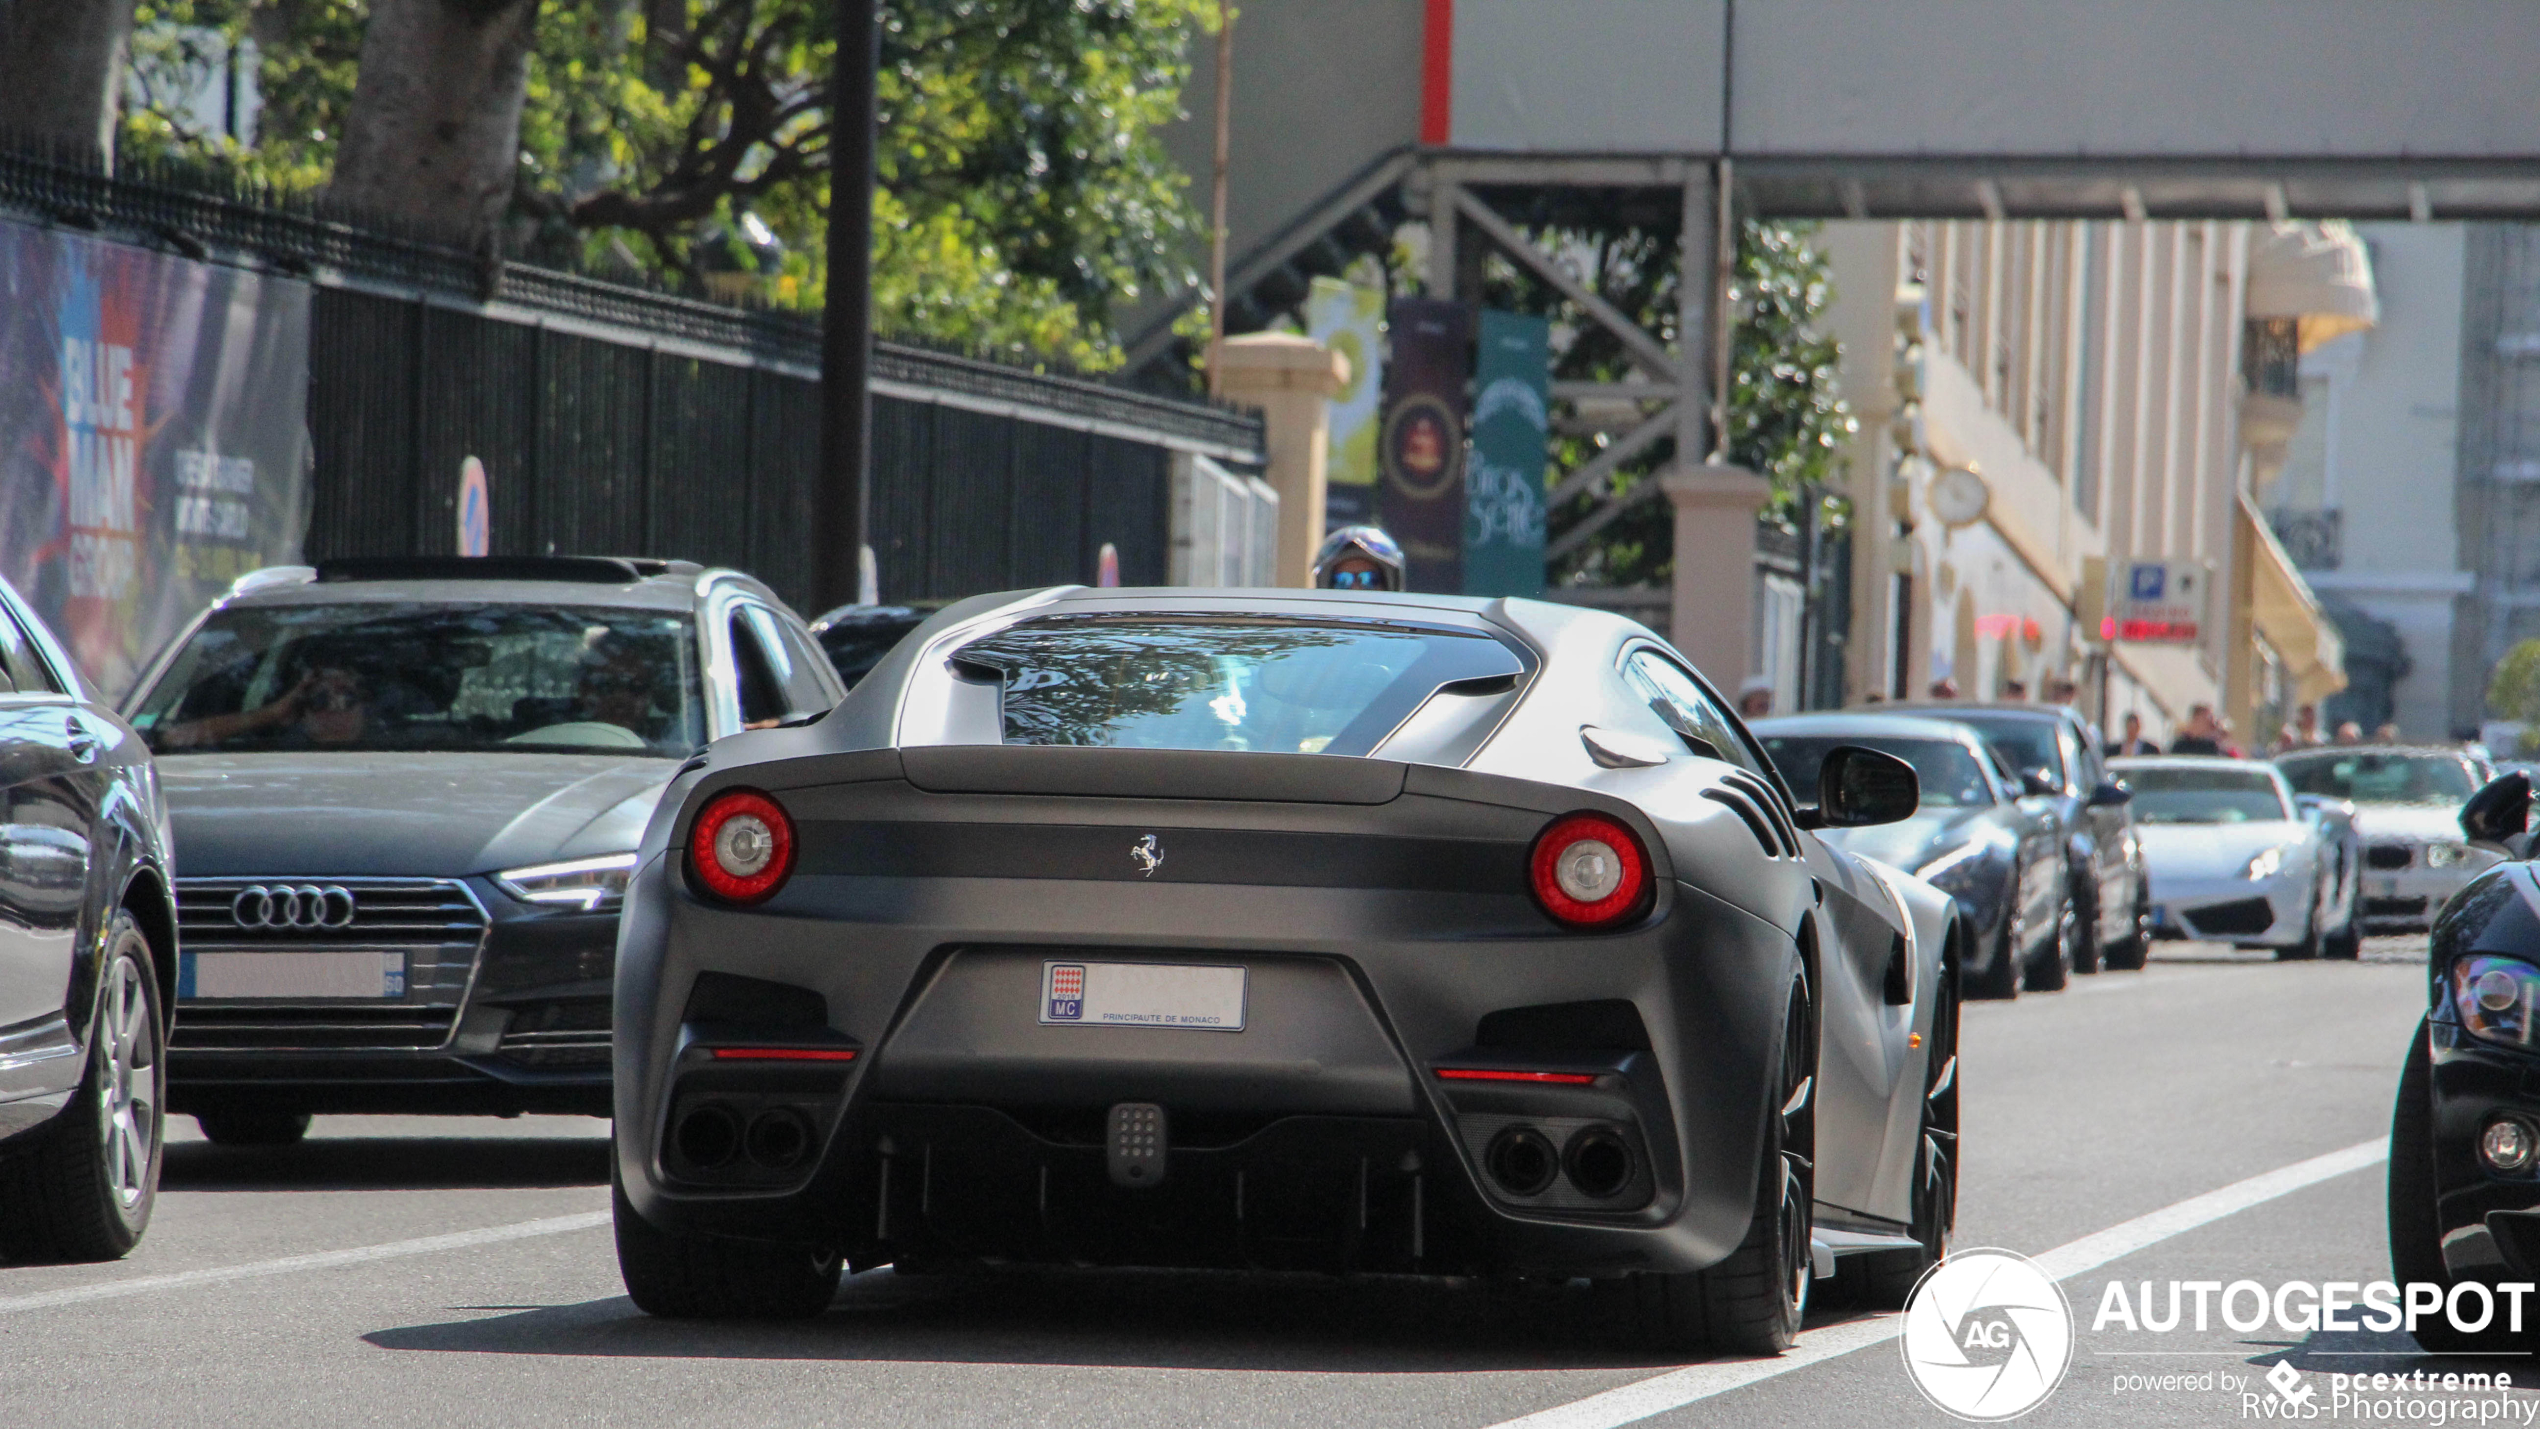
(2513, 691)
(1023, 195)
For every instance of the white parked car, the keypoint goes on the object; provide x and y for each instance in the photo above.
(2232, 858)
(2407, 818)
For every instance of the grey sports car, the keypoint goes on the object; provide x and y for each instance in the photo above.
(1293, 929)
(406, 795)
(1974, 838)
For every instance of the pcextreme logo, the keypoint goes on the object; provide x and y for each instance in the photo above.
(1988, 1335)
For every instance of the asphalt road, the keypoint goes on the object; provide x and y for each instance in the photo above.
(431, 1272)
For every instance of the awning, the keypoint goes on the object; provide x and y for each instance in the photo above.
(2317, 273)
(2285, 613)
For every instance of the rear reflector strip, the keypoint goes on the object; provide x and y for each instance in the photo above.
(784, 1054)
(1483, 1074)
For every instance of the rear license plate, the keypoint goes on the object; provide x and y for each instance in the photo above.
(372, 975)
(1208, 999)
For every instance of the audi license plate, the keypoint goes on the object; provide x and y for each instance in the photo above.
(371, 975)
(1210, 999)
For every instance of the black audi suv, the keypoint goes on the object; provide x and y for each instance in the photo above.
(407, 794)
(87, 960)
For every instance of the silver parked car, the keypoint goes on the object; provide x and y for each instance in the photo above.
(2407, 810)
(2234, 858)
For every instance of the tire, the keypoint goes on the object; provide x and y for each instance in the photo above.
(1753, 1301)
(2129, 955)
(2344, 945)
(2056, 972)
(1885, 1279)
(676, 1276)
(2416, 1246)
(82, 1188)
(2086, 950)
(2000, 980)
(239, 1127)
(2308, 949)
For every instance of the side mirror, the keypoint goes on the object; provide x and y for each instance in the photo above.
(2497, 812)
(2110, 795)
(2037, 782)
(1858, 787)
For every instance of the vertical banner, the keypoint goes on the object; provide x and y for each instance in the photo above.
(1420, 446)
(152, 437)
(1351, 321)
(1503, 487)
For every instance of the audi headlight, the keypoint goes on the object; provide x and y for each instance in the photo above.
(2445, 855)
(589, 884)
(2265, 864)
(2495, 998)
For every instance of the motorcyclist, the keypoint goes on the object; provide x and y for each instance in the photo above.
(1358, 558)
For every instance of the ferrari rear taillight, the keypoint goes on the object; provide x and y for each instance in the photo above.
(742, 846)
(1589, 872)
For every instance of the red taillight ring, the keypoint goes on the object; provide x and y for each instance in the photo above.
(1599, 852)
(742, 847)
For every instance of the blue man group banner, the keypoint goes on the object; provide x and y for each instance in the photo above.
(153, 438)
(1503, 480)
(1420, 441)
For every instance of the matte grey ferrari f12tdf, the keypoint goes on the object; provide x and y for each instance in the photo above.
(1278, 929)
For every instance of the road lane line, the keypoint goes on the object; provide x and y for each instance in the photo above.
(318, 1260)
(1632, 1403)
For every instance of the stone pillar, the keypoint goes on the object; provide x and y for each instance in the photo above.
(1713, 616)
(1292, 380)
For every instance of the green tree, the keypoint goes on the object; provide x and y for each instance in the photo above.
(1023, 193)
(2513, 691)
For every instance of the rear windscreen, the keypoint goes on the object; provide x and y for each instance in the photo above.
(1263, 686)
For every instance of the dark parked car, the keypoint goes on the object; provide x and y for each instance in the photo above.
(1310, 930)
(2057, 757)
(2464, 1189)
(1973, 839)
(407, 795)
(88, 960)
(856, 637)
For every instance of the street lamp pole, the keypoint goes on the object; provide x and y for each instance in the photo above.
(1217, 199)
(846, 349)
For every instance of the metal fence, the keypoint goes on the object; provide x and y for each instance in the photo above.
(615, 419)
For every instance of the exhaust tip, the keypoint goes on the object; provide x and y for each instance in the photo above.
(707, 1136)
(1599, 1161)
(1522, 1161)
(779, 1138)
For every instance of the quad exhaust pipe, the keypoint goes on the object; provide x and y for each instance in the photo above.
(1598, 1161)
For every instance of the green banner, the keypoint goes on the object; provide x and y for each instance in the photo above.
(1504, 485)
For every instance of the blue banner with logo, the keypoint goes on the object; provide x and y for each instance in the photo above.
(153, 445)
(1503, 482)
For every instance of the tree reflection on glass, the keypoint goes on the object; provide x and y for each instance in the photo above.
(1266, 686)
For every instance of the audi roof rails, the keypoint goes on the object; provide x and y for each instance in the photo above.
(592, 570)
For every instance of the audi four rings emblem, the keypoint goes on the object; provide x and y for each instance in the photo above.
(281, 907)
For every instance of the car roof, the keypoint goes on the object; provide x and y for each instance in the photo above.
(428, 580)
(1994, 707)
(1865, 722)
(2188, 761)
(2339, 751)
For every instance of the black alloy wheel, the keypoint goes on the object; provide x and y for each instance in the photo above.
(2052, 972)
(1753, 1301)
(82, 1188)
(2129, 955)
(2000, 980)
(2087, 957)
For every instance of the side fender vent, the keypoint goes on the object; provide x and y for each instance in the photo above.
(1900, 983)
(1753, 788)
(1756, 823)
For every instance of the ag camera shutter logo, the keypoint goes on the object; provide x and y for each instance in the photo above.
(1988, 1335)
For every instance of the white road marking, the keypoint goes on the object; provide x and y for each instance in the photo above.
(318, 1260)
(1634, 1402)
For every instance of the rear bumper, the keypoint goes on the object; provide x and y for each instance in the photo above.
(1319, 1135)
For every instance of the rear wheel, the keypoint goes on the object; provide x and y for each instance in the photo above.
(2085, 901)
(1753, 1301)
(2309, 948)
(680, 1276)
(82, 1188)
(2051, 973)
(240, 1127)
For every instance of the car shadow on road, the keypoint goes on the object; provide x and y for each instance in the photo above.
(1119, 1319)
(387, 1164)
